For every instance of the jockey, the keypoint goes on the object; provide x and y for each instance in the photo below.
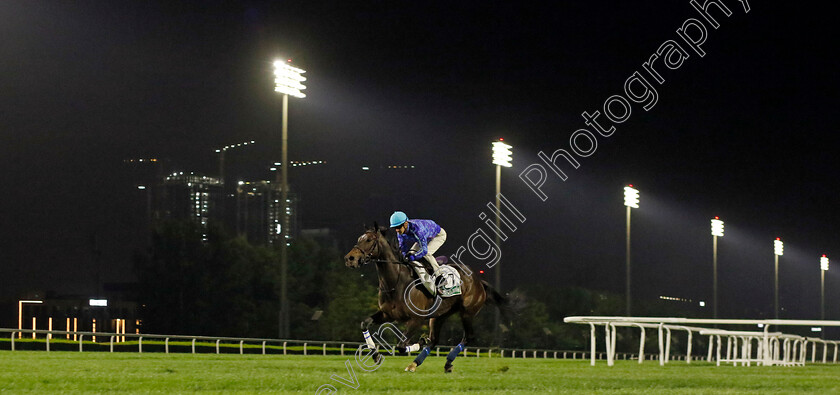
(419, 239)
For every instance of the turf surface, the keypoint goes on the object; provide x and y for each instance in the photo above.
(99, 372)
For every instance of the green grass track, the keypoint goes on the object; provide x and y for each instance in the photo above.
(100, 372)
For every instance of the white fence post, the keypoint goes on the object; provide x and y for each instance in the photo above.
(592, 342)
(688, 351)
(825, 352)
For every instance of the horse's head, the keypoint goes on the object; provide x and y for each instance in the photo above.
(366, 248)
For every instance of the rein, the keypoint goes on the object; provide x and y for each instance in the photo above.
(368, 258)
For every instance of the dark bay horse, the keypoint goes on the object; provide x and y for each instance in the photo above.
(405, 300)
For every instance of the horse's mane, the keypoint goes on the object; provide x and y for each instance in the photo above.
(391, 238)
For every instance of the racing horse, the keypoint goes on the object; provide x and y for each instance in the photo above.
(405, 300)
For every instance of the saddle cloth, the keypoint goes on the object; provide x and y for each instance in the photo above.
(450, 281)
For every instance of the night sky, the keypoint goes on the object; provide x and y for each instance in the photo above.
(744, 132)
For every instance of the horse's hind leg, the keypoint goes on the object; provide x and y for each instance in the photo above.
(467, 321)
(411, 329)
(435, 324)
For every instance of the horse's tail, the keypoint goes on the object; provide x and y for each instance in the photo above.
(497, 299)
(493, 295)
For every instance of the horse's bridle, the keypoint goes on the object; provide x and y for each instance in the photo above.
(368, 256)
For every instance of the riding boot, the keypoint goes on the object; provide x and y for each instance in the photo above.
(433, 263)
(427, 279)
(429, 283)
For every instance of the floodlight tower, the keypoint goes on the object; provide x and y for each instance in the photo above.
(823, 269)
(717, 231)
(778, 250)
(502, 157)
(288, 81)
(631, 200)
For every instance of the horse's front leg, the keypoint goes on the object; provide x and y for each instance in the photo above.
(375, 318)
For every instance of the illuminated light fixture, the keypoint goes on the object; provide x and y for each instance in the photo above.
(717, 227)
(816, 329)
(824, 263)
(141, 187)
(778, 247)
(502, 155)
(365, 168)
(702, 304)
(288, 80)
(99, 302)
(631, 196)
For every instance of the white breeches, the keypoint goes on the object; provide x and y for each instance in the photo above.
(431, 248)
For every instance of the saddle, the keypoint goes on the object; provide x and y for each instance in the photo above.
(447, 279)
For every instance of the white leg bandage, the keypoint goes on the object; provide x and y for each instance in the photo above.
(368, 340)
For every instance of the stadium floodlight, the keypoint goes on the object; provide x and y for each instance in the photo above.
(631, 196)
(823, 269)
(502, 155)
(717, 227)
(717, 231)
(288, 80)
(778, 250)
(631, 199)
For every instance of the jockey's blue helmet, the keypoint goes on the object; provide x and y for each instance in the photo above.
(398, 218)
